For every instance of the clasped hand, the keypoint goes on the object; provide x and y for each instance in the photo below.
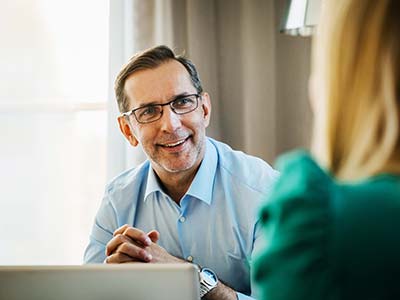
(130, 244)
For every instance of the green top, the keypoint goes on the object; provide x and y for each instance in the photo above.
(329, 240)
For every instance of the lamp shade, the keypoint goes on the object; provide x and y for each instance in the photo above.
(301, 17)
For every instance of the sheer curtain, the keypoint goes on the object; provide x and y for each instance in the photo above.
(53, 124)
(257, 78)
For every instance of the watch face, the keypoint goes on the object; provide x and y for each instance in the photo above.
(209, 276)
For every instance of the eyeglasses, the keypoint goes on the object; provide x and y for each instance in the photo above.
(153, 112)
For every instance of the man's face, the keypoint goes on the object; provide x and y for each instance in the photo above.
(174, 143)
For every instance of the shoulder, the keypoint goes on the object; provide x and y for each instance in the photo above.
(360, 204)
(245, 169)
(297, 223)
(381, 186)
(300, 176)
(373, 203)
(316, 227)
(303, 188)
(130, 181)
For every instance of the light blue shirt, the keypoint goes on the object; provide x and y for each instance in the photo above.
(216, 224)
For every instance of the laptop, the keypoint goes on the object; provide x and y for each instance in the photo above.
(100, 282)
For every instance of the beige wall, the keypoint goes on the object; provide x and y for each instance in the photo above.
(261, 90)
(293, 114)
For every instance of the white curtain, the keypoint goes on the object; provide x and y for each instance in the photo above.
(257, 78)
(53, 118)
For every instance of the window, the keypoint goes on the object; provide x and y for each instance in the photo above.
(53, 93)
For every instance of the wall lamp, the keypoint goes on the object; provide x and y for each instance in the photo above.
(301, 17)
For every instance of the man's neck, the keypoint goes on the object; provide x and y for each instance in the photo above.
(176, 184)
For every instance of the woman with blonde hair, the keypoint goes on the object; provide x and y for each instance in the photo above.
(332, 221)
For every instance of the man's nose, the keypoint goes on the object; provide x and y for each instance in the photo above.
(170, 121)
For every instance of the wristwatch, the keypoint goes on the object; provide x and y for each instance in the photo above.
(208, 281)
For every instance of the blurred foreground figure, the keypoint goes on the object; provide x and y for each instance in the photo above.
(332, 221)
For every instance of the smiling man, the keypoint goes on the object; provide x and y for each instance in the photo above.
(195, 199)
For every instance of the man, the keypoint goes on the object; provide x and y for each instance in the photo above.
(194, 200)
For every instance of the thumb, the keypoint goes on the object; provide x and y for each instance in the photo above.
(154, 235)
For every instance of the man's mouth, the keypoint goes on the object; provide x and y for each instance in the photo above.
(174, 144)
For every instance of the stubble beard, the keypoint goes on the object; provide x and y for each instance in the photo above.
(168, 164)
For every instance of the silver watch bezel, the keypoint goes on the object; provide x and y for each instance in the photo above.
(205, 285)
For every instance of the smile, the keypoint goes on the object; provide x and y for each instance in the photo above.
(170, 145)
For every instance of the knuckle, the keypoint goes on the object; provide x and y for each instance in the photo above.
(124, 248)
(120, 238)
(109, 259)
(132, 231)
(128, 231)
(142, 253)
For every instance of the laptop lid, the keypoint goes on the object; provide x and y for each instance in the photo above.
(100, 282)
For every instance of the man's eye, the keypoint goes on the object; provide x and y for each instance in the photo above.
(183, 102)
(148, 111)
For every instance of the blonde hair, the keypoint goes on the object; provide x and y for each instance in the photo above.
(356, 69)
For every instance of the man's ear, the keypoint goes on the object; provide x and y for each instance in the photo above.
(127, 131)
(206, 105)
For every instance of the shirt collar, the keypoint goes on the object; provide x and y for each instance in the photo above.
(202, 185)
(152, 185)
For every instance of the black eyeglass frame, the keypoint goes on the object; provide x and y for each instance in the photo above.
(132, 112)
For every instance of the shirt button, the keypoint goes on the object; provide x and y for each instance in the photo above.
(182, 219)
(189, 258)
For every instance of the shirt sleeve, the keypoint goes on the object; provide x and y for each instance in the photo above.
(241, 296)
(296, 224)
(102, 232)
